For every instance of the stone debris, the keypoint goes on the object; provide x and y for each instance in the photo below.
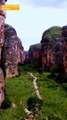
(13, 105)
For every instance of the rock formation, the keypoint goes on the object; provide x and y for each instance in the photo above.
(45, 51)
(11, 50)
(12, 53)
(2, 23)
(58, 49)
(26, 57)
(64, 41)
(34, 53)
(52, 49)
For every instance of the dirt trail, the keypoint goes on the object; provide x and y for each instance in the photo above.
(36, 86)
(29, 113)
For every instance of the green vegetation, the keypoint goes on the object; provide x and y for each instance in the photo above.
(20, 89)
(54, 31)
(54, 98)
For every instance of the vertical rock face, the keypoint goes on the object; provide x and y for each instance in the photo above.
(12, 52)
(2, 22)
(2, 96)
(59, 55)
(50, 57)
(64, 40)
(26, 57)
(47, 54)
(52, 48)
(34, 53)
(47, 57)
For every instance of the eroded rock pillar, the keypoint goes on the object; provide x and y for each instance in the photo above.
(2, 22)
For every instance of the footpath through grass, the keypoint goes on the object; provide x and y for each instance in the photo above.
(54, 97)
(20, 89)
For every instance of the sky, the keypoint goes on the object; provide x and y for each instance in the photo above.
(34, 17)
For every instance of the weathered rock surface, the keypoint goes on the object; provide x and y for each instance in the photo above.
(54, 48)
(12, 53)
(59, 55)
(26, 57)
(64, 40)
(2, 22)
(46, 51)
(34, 53)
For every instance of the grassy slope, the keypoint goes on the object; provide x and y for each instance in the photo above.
(21, 88)
(54, 98)
(18, 91)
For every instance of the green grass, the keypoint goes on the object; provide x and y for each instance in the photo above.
(54, 98)
(20, 89)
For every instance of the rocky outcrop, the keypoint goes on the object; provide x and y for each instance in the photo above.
(11, 49)
(34, 53)
(52, 49)
(58, 49)
(26, 57)
(46, 51)
(64, 41)
(2, 22)
(12, 53)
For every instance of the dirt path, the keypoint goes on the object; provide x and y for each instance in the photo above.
(36, 86)
(29, 113)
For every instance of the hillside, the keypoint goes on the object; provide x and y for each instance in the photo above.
(20, 89)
